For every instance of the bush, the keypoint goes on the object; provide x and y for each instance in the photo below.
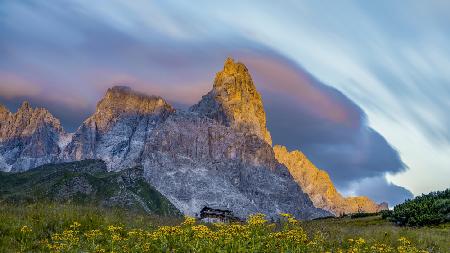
(429, 209)
(362, 215)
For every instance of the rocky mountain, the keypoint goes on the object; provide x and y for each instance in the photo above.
(218, 154)
(234, 101)
(117, 131)
(319, 187)
(85, 182)
(28, 138)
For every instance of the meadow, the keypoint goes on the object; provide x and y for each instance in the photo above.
(75, 228)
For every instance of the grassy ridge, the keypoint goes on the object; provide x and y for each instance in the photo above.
(85, 182)
(75, 228)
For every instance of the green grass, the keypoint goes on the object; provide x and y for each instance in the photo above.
(374, 228)
(47, 219)
(35, 218)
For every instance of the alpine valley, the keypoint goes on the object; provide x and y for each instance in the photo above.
(217, 155)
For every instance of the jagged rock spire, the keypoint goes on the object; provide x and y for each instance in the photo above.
(234, 101)
(4, 112)
(26, 121)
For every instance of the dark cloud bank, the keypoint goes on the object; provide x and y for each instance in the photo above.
(302, 112)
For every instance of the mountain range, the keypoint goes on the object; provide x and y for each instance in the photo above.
(217, 154)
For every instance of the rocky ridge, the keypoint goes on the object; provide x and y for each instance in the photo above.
(28, 138)
(217, 154)
(319, 187)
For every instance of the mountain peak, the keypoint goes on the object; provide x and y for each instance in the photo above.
(123, 101)
(3, 110)
(26, 121)
(230, 67)
(25, 106)
(120, 88)
(234, 101)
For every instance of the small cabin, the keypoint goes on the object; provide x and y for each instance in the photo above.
(217, 215)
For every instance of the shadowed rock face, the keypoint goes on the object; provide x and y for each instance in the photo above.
(196, 162)
(317, 184)
(217, 154)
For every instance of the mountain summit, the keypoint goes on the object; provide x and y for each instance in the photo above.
(216, 155)
(234, 101)
(122, 101)
(116, 132)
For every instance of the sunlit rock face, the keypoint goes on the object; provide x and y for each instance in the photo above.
(234, 101)
(28, 138)
(319, 187)
(117, 131)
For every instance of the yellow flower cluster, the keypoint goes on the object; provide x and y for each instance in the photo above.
(254, 235)
(26, 230)
(256, 219)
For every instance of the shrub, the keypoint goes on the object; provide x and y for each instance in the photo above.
(362, 215)
(428, 209)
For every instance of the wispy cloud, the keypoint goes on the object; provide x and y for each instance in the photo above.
(392, 64)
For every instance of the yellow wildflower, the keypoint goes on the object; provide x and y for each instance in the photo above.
(257, 219)
(26, 229)
(188, 221)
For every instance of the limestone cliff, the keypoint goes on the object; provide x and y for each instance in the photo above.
(234, 101)
(319, 187)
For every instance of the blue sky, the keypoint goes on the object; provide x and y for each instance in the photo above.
(362, 87)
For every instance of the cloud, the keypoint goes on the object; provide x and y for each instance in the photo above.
(74, 52)
(379, 189)
(328, 127)
(12, 86)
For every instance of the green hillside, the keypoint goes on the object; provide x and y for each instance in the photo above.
(85, 182)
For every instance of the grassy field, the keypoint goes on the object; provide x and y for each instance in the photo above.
(74, 228)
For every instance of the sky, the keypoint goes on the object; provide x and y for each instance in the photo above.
(361, 87)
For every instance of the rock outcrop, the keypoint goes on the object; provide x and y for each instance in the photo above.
(28, 138)
(319, 187)
(234, 101)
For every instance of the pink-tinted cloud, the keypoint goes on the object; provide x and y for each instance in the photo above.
(13, 86)
(276, 75)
